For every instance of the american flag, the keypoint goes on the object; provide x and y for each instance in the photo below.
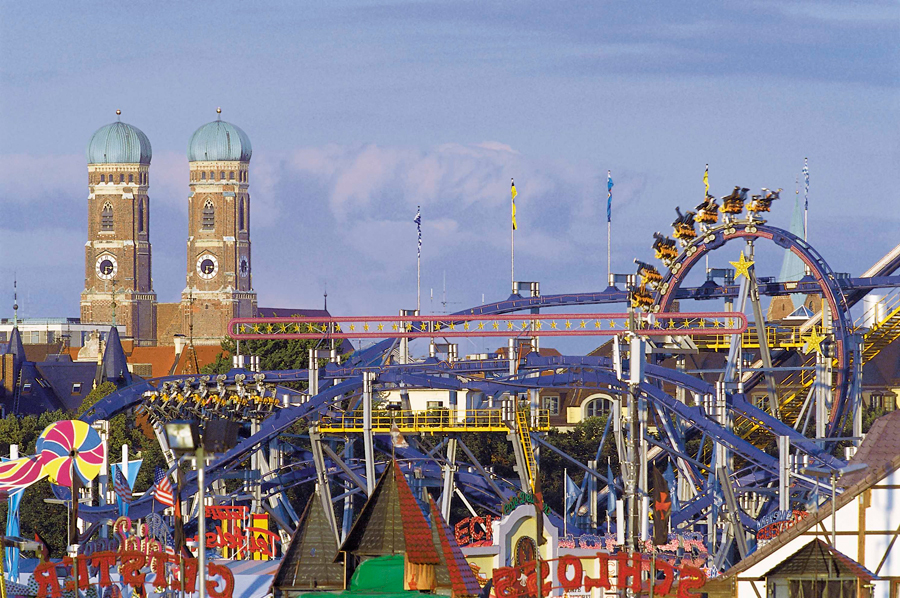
(120, 484)
(162, 488)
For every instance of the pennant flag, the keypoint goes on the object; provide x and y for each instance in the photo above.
(120, 485)
(609, 186)
(397, 439)
(162, 488)
(805, 183)
(45, 549)
(418, 221)
(662, 507)
(669, 476)
(539, 509)
(514, 193)
(572, 492)
(611, 496)
(706, 178)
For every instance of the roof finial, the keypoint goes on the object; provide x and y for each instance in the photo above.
(118, 115)
(219, 112)
(15, 302)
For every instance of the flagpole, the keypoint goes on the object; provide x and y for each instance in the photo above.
(609, 186)
(512, 237)
(565, 500)
(806, 199)
(418, 221)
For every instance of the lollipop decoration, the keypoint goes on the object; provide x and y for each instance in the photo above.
(70, 446)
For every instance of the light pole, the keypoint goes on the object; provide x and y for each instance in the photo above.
(183, 437)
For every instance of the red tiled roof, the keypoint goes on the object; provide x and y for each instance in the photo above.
(461, 577)
(881, 445)
(416, 534)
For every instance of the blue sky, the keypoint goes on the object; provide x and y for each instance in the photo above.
(358, 112)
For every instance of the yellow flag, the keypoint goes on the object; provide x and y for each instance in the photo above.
(514, 193)
(706, 179)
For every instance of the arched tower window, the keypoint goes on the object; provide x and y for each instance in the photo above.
(231, 175)
(140, 216)
(106, 217)
(130, 178)
(209, 216)
(203, 175)
(102, 178)
(241, 226)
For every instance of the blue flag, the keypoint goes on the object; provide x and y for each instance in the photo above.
(572, 492)
(805, 183)
(609, 186)
(669, 477)
(611, 497)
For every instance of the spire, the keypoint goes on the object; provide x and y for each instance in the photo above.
(219, 114)
(118, 116)
(114, 365)
(15, 302)
(15, 347)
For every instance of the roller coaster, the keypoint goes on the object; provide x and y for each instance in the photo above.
(808, 373)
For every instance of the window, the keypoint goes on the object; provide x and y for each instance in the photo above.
(596, 407)
(231, 175)
(203, 176)
(551, 404)
(102, 178)
(212, 175)
(222, 176)
(140, 216)
(434, 404)
(106, 217)
(130, 178)
(121, 178)
(241, 216)
(76, 388)
(209, 216)
(26, 387)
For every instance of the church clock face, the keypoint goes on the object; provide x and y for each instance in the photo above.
(244, 267)
(106, 267)
(207, 266)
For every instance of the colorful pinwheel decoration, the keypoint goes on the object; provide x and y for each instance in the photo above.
(70, 446)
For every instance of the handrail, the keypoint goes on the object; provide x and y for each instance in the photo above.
(428, 420)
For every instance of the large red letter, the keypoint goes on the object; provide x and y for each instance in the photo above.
(665, 586)
(132, 562)
(692, 578)
(104, 561)
(603, 580)
(569, 584)
(45, 576)
(227, 579)
(504, 578)
(626, 570)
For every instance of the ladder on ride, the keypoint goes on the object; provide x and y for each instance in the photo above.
(523, 428)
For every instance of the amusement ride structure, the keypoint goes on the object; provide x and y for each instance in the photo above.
(808, 371)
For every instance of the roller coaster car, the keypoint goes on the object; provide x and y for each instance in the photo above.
(641, 298)
(763, 203)
(648, 273)
(734, 203)
(708, 211)
(664, 248)
(684, 226)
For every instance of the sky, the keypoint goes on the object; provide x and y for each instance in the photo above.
(359, 112)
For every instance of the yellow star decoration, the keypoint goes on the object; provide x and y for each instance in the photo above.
(671, 323)
(582, 324)
(717, 324)
(598, 324)
(553, 324)
(437, 325)
(243, 328)
(814, 342)
(509, 325)
(452, 326)
(256, 328)
(366, 327)
(381, 327)
(352, 327)
(395, 327)
(537, 326)
(742, 266)
(337, 327)
(496, 326)
(612, 323)
(297, 326)
(480, 325)
(466, 327)
(568, 325)
(269, 328)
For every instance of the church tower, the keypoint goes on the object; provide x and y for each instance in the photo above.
(117, 281)
(219, 282)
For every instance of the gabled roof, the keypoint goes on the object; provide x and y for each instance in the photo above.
(818, 558)
(875, 474)
(453, 564)
(391, 522)
(308, 563)
(881, 445)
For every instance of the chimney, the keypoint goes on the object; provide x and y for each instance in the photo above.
(179, 344)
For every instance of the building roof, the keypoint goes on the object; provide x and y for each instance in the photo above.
(874, 475)
(880, 446)
(819, 558)
(308, 562)
(454, 565)
(114, 365)
(219, 141)
(391, 522)
(118, 143)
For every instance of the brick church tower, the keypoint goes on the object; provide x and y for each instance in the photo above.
(117, 279)
(219, 283)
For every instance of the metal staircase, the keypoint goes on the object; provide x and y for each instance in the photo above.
(885, 332)
(524, 432)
